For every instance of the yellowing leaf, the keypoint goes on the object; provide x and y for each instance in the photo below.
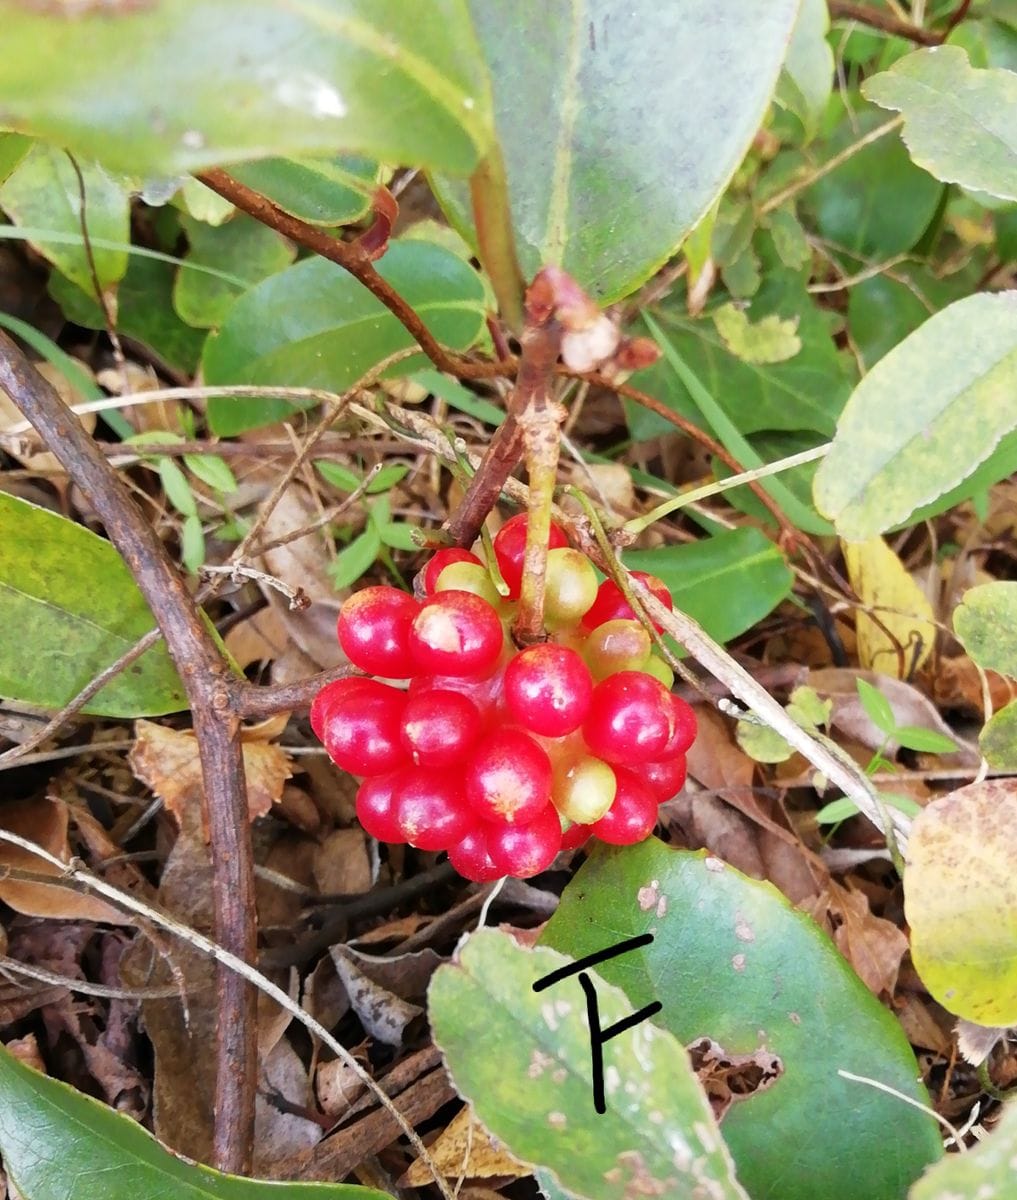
(904, 637)
(772, 340)
(960, 899)
(465, 1149)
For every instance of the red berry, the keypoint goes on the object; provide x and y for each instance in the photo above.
(430, 809)
(361, 729)
(508, 778)
(470, 857)
(374, 630)
(548, 689)
(510, 546)
(630, 719)
(456, 633)
(376, 808)
(611, 605)
(439, 726)
(486, 693)
(329, 695)
(685, 728)
(525, 850)
(665, 778)
(575, 836)
(442, 559)
(631, 817)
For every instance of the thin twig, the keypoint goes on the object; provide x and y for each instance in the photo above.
(885, 22)
(82, 986)
(207, 679)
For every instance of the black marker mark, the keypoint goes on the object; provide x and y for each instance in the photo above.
(599, 1036)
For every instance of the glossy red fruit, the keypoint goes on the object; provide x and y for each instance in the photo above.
(374, 630)
(376, 808)
(525, 850)
(665, 778)
(576, 836)
(456, 633)
(631, 817)
(630, 719)
(508, 778)
(611, 605)
(361, 730)
(510, 546)
(329, 695)
(685, 728)
(470, 857)
(430, 809)
(439, 726)
(486, 692)
(548, 689)
(442, 559)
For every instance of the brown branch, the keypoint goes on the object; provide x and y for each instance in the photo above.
(209, 683)
(876, 18)
(353, 258)
(255, 702)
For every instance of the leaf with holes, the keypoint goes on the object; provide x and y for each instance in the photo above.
(76, 610)
(960, 123)
(60, 1145)
(314, 325)
(300, 79)
(960, 896)
(522, 1059)
(623, 173)
(732, 960)
(924, 418)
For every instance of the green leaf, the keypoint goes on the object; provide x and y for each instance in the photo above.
(76, 610)
(807, 78)
(770, 340)
(960, 123)
(13, 148)
(522, 1058)
(144, 312)
(314, 325)
(46, 348)
(212, 470)
(454, 394)
(926, 741)
(839, 810)
(56, 1144)
(202, 82)
(613, 183)
(761, 743)
(732, 960)
(42, 192)
(727, 582)
(877, 203)
(242, 247)
(985, 1172)
(177, 489)
(998, 740)
(356, 558)
(986, 623)
(877, 707)
(772, 447)
(399, 536)
(192, 543)
(923, 418)
(321, 191)
(959, 901)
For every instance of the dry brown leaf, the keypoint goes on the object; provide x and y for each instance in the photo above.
(45, 822)
(342, 865)
(871, 944)
(464, 1149)
(279, 1133)
(297, 807)
(260, 638)
(26, 1050)
(291, 856)
(382, 991)
(338, 1087)
(11, 416)
(167, 761)
(957, 683)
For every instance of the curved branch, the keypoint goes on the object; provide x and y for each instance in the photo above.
(209, 683)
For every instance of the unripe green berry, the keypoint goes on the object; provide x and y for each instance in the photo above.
(659, 669)
(570, 587)
(469, 577)
(583, 789)
(616, 646)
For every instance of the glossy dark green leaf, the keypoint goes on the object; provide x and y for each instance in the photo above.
(924, 418)
(732, 960)
(42, 192)
(877, 202)
(145, 312)
(178, 85)
(615, 134)
(322, 191)
(314, 325)
(76, 610)
(771, 447)
(522, 1059)
(727, 582)
(60, 1145)
(242, 247)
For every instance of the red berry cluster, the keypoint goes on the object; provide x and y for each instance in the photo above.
(501, 756)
